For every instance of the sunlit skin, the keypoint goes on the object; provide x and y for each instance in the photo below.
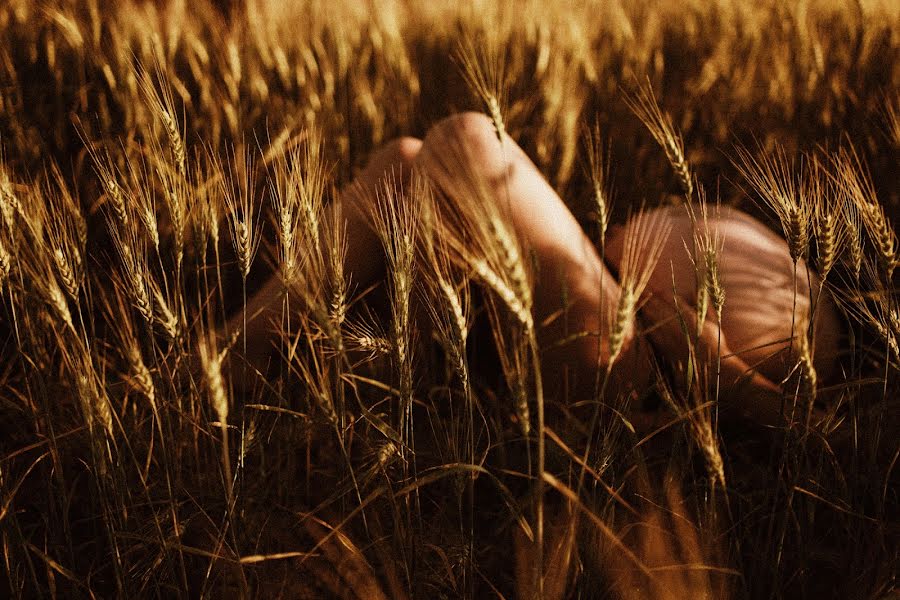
(758, 275)
(568, 266)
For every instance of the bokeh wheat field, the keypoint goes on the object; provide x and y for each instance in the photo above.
(148, 155)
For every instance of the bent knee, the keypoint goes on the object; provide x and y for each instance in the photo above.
(400, 152)
(473, 129)
(406, 149)
(468, 139)
(396, 157)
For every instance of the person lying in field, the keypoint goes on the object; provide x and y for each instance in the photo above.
(462, 157)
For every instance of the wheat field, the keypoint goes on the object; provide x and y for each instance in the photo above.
(161, 160)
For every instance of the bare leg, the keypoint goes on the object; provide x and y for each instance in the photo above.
(758, 276)
(568, 266)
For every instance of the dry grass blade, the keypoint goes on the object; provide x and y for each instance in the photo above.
(892, 116)
(357, 577)
(58, 568)
(560, 550)
(672, 551)
(602, 528)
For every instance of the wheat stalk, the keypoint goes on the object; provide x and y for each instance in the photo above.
(135, 270)
(55, 298)
(310, 178)
(395, 218)
(700, 425)
(106, 171)
(808, 375)
(714, 287)
(853, 179)
(873, 305)
(830, 226)
(785, 190)
(5, 263)
(366, 338)
(211, 359)
(56, 221)
(165, 316)
(512, 352)
(359, 77)
(647, 109)
(158, 96)
(140, 374)
(314, 373)
(337, 244)
(237, 191)
(144, 201)
(598, 165)
(707, 248)
(9, 201)
(483, 70)
(451, 300)
(892, 116)
(285, 202)
(117, 199)
(95, 406)
(883, 236)
(853, 227)
(174, 192)
(645, 235)
(91, 396)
